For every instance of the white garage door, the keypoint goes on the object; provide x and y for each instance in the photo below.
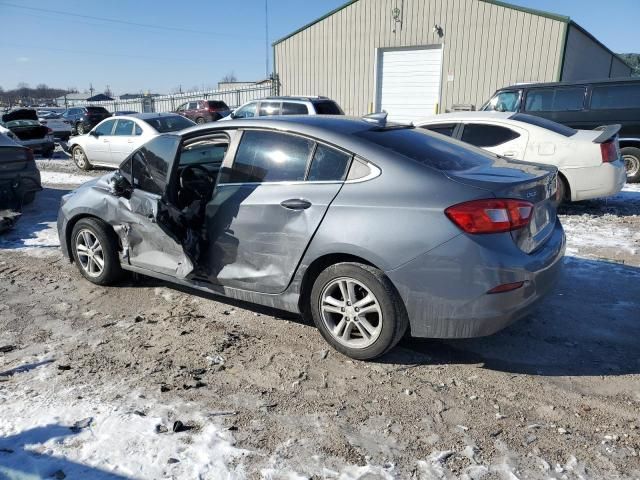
(409, 82)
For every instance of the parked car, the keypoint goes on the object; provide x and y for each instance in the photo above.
(582, 105)
(589, 161)
(370, 228)
(203, 111)
(113, 139)
(24, 124)
(19, 175)
(271, 106)
(83, 119)
(61, 130)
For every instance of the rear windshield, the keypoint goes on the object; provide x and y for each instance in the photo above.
(218, 105)
(97, 110)
(169, 123)
(544, 123)
(327, 107)
(430, 149)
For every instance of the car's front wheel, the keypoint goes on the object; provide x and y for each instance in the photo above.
(79, 128)
(631, 156)
(200, 120)
(80, 158)
(357, 310)
(95, 251)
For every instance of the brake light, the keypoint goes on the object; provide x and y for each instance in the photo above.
(491, 215)
(609, 152)
(506, 287)
(49, 131)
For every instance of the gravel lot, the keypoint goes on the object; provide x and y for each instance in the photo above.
(260, 395)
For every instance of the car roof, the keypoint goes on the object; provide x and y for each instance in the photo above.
(571, 83)
(303, 98)
(148, 115)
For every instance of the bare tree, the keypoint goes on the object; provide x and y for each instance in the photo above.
(229, 78)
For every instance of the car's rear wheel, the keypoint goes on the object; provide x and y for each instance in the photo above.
(95, 251)
(79, 128)
(80, 158)
(562, 195)
(357, 310)
(631, 157)
(200, 120)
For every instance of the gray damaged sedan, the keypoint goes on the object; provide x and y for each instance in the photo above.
(370, 228)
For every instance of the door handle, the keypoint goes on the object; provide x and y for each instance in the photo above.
(510, 154)
(296, 204)
(105, 140)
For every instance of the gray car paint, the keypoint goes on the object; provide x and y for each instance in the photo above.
(394, 221)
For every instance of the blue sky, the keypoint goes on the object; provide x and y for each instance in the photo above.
(202, 40)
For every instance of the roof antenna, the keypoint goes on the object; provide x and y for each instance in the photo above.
(379, 118)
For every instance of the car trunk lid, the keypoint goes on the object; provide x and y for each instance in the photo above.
(27, 129)
(513, 179)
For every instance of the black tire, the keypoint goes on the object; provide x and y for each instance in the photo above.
(563, 196)
(28, 198)
(111, 271)
(75, 155)
(394, 319)
(631, 156)
(79, 128)
(200, 120)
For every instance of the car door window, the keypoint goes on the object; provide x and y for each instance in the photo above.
(124, 128)
(555, 99)
(442, 128)
(248, 111)
(105, 128)
(290, 108)
(269, 108)
(181, 108)
(150, 164)
(270, 157)
(138, 130)
(193, 105)
(487, 135)
(328, 164)
(615, 97)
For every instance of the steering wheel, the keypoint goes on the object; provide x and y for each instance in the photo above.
(196, 183)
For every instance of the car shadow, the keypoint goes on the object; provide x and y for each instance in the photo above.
(36, 228)
(625, 203)
(24, 368)
(18, 460)
(587, 325)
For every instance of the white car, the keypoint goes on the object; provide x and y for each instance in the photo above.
(113, 139)
(589, 161)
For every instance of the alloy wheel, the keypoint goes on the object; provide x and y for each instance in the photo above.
(90, 253)
(351, 312)
(79, 157)
(631, 165)
(80, 129)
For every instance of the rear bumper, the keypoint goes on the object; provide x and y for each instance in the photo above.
(38, 145)
(14, 186)
(444, 291)
(596, 182)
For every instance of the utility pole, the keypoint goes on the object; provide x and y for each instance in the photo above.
(266, 38)
(91, 89)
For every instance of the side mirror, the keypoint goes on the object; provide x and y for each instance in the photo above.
(120, 186)
(94, 133)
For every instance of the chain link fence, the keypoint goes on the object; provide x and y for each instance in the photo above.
(168, 103)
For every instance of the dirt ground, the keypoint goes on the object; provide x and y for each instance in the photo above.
(557, 395)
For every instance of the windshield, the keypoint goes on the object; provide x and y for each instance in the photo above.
(508, 101)
(169, 123)
(430, 149)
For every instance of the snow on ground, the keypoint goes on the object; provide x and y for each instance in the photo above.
(603, 223)
(62, 178)
(113, 440)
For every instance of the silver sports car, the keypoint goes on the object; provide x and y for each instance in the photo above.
(372, 229)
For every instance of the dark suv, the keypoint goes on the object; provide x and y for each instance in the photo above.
(83, 119)
(202, 111)
(582, 105)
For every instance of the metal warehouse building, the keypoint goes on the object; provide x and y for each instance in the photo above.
(416, 57)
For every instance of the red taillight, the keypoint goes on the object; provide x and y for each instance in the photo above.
(609, 152)
(506, 287)
(491, 216)
(49, 131)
